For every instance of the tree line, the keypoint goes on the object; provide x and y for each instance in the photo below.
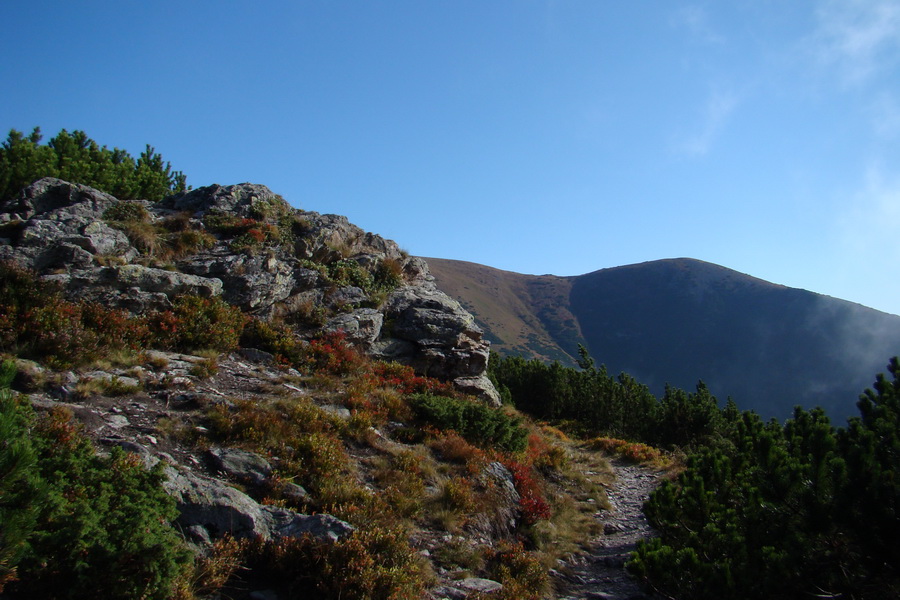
(77, 158)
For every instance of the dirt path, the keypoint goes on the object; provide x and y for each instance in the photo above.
(599, 573)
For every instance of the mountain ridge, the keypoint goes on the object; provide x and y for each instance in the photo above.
(681, 320)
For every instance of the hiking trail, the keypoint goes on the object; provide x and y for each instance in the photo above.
(598, 573)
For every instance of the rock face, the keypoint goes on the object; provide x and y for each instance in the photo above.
(245, 244)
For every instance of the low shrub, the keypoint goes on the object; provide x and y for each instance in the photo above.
(475, 421)
(402, 484)
(376, 563)
(124, 211)
(36, 322)
(209, 572)
(403, 378)
(454, 448)
(452, 505)
(632, 451)
(112, 386)
(274, 338)
(61, 333)
(332, 354)
(521, 572)
(532, 504)
(247, 235)
(88, 510)
(388, 274)
(197, 323)
(346, 272)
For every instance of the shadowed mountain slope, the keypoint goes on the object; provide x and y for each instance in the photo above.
(678, 321)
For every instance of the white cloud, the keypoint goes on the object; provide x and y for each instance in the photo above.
(719, 107)
(860, 38)
(869, 225)
(868, 248)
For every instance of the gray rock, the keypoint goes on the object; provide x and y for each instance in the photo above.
(197, 534)
(218, 508)
(362, 326)
(50, 194)
(295, 493)
(479, 386)
(242, 465)
(117, 421)
(62, 236)
(221, 510)
(446, 342)
(445, 592)
(327, 238)
(472, 586)
(257, 356)
(429, 317)
(502, 518)
(145, 455)
(252, 282)
(346, 296)
(323, 527)
(62, 226)
(246, 200)
(170, 283)
(339, 411)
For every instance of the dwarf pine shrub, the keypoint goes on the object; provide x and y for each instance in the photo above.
(475, 421)
(80, 525)
(19, 486)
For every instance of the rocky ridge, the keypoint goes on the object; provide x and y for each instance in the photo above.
(256, 252)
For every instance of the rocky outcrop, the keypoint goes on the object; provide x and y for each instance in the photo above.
(54, 224)
(270, 260)
(209, 509)
(434, 334)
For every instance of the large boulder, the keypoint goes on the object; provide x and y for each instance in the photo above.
(51, 195)
(328, 238)
(242, 465)
(438, 337)
(60, 226)
(218, 509)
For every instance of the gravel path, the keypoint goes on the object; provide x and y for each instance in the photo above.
(599, 573)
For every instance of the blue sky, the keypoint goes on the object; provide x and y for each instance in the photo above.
(537, 137)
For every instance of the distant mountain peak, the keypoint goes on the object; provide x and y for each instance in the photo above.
(680, 320)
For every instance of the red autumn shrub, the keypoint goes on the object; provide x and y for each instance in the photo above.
(531, 499)
(332, 354)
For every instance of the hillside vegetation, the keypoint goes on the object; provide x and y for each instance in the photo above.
(411, 465)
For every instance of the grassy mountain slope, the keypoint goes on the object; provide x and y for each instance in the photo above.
(525, 315)
(679, 321)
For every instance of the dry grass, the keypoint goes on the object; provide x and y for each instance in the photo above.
(103, 386)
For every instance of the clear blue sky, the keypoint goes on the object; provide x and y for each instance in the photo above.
(539, 137)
